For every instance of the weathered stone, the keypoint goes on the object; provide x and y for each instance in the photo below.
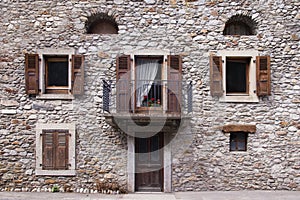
(281, 132)
(193, 30)
(50, 181)
(8, 112)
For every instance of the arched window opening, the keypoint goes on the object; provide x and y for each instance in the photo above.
(101, 23)
(240, 25)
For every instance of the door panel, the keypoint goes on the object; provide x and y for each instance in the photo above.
(149, 163)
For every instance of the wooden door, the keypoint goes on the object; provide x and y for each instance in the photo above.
(149, 163)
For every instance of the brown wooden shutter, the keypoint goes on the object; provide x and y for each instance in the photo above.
(263, 76)
(77, 74)
(32, 73)
(61, 156)
(216, 86)
(174, 83)
(55, 150)
(123, 83)
(48, 151)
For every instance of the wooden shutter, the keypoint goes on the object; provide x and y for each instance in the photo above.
(174, 83)
(32, 73)
(123, 83)
(77, 74)
(61, 157)
(55, 150)
(216, 86)
(263, 76)
(48, 151)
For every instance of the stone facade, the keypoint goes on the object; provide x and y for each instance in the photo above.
(191, 29)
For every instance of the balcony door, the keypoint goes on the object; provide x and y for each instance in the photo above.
(149, 163)
(148, 92)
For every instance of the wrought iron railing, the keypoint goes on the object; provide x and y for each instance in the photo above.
(166, 96)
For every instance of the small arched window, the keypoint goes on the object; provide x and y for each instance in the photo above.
(101, 23)
(240, 25)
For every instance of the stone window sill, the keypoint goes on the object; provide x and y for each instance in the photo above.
(240, 99)
(55, 97)
(40, 172)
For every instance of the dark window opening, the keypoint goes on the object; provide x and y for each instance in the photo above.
(237, 28)
(103, 27)
(238, 141)
(57, 71)
(240, 25)
(101, 23)
(237, 75)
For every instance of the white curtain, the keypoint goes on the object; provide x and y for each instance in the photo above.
(146, 71)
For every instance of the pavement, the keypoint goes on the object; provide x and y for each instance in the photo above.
(228, 195)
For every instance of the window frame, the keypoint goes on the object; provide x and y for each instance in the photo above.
(238, 97)
(162, 65)
(164, 75)
(238, 140)
(40, 129)
(55, 89)
(49, 53)
(239, 60)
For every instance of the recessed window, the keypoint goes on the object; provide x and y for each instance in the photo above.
(54, 73)
(101, 23)
(240, 25)
(238, 141)
(55, 149)
(237, 75)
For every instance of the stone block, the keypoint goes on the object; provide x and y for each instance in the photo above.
(9, 103)
(9, 112)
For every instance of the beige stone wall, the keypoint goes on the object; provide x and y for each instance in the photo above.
(193, 30)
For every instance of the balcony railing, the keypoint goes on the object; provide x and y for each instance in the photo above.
(160, 96)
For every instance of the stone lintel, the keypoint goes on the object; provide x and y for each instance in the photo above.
(239, 128)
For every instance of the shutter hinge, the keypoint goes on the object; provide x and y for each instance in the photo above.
(223, 61)
(70, 59)
(254, 61)
(41, 165)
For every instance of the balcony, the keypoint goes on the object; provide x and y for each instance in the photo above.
(144, 101)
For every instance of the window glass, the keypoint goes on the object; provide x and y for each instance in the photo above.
(238, 141)
(148, 82)
(57, 72)
(236, 77)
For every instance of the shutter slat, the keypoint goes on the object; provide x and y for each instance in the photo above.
(32, 73)
(174, 83)
(263, 76)
(77, 74)
(216, 85)
(123, 83)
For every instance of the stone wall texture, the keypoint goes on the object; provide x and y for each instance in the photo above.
(191, 29)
